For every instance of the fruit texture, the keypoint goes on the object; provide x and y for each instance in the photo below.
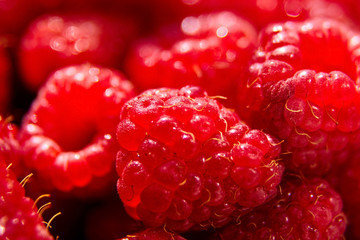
(302, 88)
(304, 209)
(55, 41)
(19, 218)
(18, 215)
(67, 136)
(186, 161)
(210, 51)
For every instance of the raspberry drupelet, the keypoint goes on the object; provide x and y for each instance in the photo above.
(304, 209)
(186, 161)
(210, 50)
(303, 89)
(68, 135)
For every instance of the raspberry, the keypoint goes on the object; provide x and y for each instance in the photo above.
(18, 216)
(347, 182)
(188, 162)
(308, 209)
(153, 234)
(210, 47)
(302, 88)
(68, 134)
(55, 41)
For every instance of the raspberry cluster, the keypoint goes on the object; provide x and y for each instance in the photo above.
(183, 119)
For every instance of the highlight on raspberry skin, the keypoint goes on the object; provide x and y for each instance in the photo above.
(187, 162)
(68, 134)
(55, 41)
(304, 209)
(303, 89)
(211, 50)
(10, 151)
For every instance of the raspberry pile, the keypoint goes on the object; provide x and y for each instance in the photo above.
(183, 119)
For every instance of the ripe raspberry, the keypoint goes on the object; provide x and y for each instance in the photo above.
(347, 182)
(186, 161)
(153, 234)
(5, 87)
(18, 216)
(67, 135)
(211, 51)
(302, 89)
(55, 41)
(308, 209)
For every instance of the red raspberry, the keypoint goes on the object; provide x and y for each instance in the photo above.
(67, 135)
(211, 51)
(5, 67)
(186, 161)
(153, 234)
(308, 209)
(18, 216)
(55, 41)
(347, 182)
(302, 89)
